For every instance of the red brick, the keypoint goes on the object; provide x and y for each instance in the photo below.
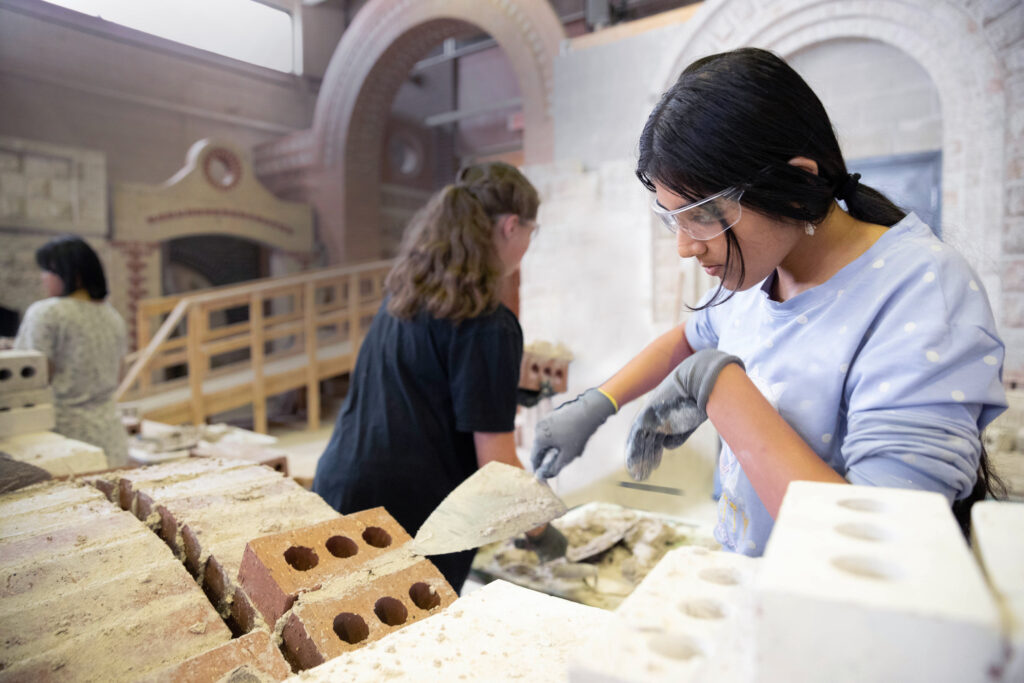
(176, 512)
(148, 495)
(254, 654)
(319, 628)
(69, 539)
(42, 621)
(244, 617)
(44, 496)
(125, 648)
(276, 568)
(255, 454)
(167, 474)
(48, 573)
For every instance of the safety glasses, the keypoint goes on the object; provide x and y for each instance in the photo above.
(705, 219)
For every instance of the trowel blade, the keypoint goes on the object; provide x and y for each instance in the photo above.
(497, 502)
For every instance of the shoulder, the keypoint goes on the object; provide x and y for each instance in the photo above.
(43, 309)
(917, 268)
(501, 321)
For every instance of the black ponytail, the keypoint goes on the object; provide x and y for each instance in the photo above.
(736, 119)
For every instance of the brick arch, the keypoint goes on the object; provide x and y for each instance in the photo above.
(373, 58)
(969, 81)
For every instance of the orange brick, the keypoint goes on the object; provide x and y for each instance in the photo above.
(276, 568)
(253, 654)
(318, 628)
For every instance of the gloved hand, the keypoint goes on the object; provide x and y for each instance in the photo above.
(562, 435)
(675, 408)
(549, 544)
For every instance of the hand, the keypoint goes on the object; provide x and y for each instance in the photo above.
(675, 408)
(550, 544)
(562, 435)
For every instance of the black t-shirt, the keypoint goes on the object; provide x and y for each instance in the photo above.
(420, 388)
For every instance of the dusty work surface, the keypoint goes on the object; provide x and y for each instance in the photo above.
(611, 550)
(499, 633)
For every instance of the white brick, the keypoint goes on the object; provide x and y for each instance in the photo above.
(869, 583)
(689, 620)
(22, 370)
(26, 399)
(997, 530)
(26, 420)
(55, 453)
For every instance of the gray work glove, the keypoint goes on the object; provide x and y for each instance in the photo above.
(562, 435)
(675, 408)
(549, 544)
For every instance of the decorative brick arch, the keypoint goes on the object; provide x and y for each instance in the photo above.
(373, 58)
(980, 151)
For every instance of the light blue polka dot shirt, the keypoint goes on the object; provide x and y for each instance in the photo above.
(889, 371)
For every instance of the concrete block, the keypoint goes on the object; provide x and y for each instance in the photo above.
(276, 569)
(326, 623)
(997, 533)
(22, 371)
(253, 657)
(55, 453)
(501, 632)
(18, 421)
(870, 583)
(26, 399)
(688, 620)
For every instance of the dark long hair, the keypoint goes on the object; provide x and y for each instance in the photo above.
(448, 263)
(75, 263)
(736, 119)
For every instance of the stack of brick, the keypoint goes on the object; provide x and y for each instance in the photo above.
(26, 413)
(338, 586)
(207, 510)
(26, 400)
(89, 593)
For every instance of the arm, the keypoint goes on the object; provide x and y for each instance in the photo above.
(649, 367)
(496, 446)
(771, 453)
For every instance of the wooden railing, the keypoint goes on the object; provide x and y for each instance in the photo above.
(219, 349)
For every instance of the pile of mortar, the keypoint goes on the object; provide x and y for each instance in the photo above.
(611, 550)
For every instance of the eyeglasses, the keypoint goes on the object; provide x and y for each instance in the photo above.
(705, 219)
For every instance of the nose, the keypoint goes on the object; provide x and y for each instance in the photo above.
(687, 246)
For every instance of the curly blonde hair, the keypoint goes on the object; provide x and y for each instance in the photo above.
(448, 263)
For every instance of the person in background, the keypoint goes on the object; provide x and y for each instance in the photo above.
(844, 343)
(433, 393)
(85, 340)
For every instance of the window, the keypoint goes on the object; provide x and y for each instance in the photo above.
(242, 29)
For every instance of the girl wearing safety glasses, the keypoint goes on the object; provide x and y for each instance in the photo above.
(845, 342)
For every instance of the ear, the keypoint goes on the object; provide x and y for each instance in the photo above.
(507, 225)
(809, 165)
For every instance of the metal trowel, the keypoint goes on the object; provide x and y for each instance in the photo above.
(497, 502)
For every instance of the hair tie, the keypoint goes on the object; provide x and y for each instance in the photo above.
(849, 187)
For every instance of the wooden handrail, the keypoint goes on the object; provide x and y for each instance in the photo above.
(177, 313)
(349, 294)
